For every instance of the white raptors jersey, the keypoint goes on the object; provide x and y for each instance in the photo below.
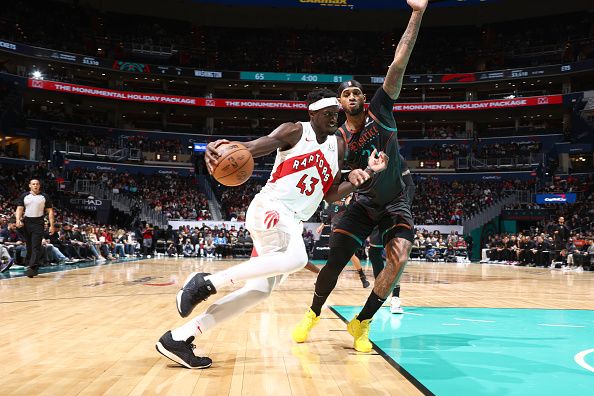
(302, 175)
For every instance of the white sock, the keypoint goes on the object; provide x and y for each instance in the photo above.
(220, 278)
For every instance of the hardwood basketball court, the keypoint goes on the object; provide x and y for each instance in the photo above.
(90, 331)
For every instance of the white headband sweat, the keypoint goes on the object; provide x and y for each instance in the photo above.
(325, 102)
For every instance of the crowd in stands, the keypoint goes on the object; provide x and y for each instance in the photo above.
(437, 152)
(147, 143)
(143, 142)
(451, 131)
(204, 241)
(176, 197)
(508, 150)
(70, 243)
(435, 247)
(555, 246)
(78, 237)
(538, 41)
(563, 238)
(450, 151)
(439, 202)
(235, 200)
(571, 183)
(55, 112)
(579, 215)
(14, 181)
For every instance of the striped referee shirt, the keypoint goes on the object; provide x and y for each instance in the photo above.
(34, 204)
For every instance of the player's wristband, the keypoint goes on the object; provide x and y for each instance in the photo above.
(369, 171)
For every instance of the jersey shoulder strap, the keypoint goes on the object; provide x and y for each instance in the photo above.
(345, 134)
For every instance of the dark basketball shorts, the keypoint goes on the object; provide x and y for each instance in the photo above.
(394, 220)
(375, 239)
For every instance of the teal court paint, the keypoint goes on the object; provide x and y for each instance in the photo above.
(488, 351)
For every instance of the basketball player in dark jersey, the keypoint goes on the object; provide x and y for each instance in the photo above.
(381, 201)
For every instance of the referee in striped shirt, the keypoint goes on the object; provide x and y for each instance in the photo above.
(31, 209)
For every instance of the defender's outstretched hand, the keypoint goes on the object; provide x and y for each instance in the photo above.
(418, 5)
(378, 162)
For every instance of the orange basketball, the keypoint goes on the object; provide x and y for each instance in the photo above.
(236, 164)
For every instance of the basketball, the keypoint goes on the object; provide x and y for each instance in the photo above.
(236, 164)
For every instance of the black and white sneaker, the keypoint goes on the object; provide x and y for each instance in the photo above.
(181, 352)
(195, 290)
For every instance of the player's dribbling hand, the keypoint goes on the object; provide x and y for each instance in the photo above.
(378, 161)
(211, 156)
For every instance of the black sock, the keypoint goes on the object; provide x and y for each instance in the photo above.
(317, 303)
(361, 273)
(342, 248)
(396, 291)
(373, 304)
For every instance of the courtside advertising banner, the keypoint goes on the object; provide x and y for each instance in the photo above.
(279, 104)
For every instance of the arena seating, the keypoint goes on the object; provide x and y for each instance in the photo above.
(541, 41)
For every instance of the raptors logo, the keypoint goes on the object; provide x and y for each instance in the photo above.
(271, 219)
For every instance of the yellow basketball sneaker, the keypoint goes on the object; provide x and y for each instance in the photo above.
(360, 332)
(301, 331)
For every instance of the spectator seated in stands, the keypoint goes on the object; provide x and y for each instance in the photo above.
(188, 248)
(14, 242)
(209, 247)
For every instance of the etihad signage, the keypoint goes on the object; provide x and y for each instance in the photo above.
(90, 205)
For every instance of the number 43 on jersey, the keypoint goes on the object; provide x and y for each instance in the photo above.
(307, 184)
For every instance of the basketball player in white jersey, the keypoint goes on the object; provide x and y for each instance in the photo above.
(307, 169)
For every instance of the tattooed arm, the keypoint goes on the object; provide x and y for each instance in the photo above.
(393, 81)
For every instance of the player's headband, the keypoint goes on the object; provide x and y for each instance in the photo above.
(325, 102)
